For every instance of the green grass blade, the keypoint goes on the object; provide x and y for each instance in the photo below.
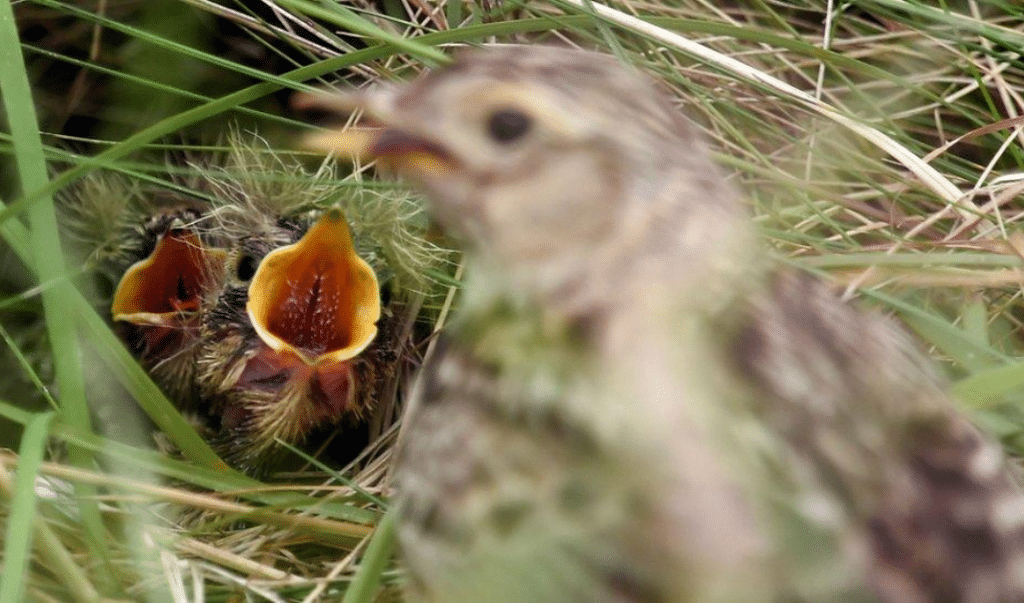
(47, 259)
(18, 540)
(178, 48)
(986, 387)
(378, 553)
(131, 376)
(155, 87)
(27, 367)
(348, 20)
(974, 355)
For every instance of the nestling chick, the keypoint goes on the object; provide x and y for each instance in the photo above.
(634, 405)
(161, 262)
(292, 345)
(257, 312)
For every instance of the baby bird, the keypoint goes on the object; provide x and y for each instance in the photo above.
(296, 341)
(149, 247)
(635, 405)
(255, 311)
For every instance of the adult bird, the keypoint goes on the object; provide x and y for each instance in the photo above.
(635, 404)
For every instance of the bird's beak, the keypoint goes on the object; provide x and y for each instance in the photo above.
(316, 299)
(170, 282)
(401, 149)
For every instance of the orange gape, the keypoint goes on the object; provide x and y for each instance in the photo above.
(316, 299)
(157, 306)
(315, 306)
(262, 354)
(169, 283)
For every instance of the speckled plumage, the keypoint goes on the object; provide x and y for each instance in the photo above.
(634, 405)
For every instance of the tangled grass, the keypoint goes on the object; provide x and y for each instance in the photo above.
(879, 143)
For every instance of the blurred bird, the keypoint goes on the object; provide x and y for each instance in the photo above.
(635, 406)
(251, 308)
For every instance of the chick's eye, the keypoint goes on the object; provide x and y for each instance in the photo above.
(246, 268)
(507, 125)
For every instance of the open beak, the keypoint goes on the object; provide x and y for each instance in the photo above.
(401, 149)
(158, 290)
(316, 299)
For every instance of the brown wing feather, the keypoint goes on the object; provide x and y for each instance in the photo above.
(850, 392)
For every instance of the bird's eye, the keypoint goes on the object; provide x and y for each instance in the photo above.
(507, 125)
(246, 268)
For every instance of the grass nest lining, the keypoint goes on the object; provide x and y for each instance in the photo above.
(879, 145)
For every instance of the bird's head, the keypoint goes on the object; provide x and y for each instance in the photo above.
(544, 159)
